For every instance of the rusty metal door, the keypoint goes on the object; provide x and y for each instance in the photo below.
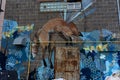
(67, 63)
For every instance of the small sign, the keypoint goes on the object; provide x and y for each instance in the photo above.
(74, 6)
(59, 6)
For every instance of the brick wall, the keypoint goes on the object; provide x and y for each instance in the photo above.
(105, 16)
(27, 12)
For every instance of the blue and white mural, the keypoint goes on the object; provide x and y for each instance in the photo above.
(17, 53)
(99, 57)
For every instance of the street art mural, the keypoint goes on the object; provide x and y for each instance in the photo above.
(17, 53)
(99, 55)
(42, 37)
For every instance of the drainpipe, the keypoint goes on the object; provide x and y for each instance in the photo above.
(118, 7)
(65, 12)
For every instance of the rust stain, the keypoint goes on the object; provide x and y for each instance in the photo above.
(74, 63)
(67, 63)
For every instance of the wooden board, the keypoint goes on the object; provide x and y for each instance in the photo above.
(67, 63)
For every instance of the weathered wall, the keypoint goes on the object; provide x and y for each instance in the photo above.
(27, 12)
(105, 16)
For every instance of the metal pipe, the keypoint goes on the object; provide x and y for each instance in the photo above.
(118, 7)
(65, 12)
